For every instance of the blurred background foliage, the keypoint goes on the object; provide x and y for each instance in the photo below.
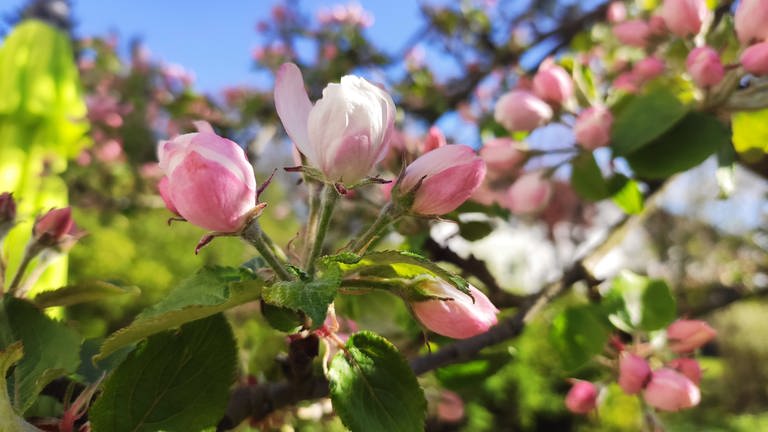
(718, 272)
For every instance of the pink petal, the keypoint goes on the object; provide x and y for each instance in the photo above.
(293, 106)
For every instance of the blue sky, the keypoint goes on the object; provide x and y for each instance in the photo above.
(215, 39)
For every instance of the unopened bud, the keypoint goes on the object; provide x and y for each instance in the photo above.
(582, 397)
(634, 373)
(705, 67)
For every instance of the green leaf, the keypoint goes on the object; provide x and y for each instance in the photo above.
(750, 134)
(578, 333)
(176, 381)
(405, 265)
(208, 292)
(475, 230)
(587, 179)
(626, 194)
(82, 293)
(51, 350)
(310, 297)
(647, 304)
(280, 318)
(373, 389)
(684, 146)
(645, 118)
(9, 420)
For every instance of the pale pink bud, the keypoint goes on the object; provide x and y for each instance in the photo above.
(582, 397)
(634, 373)
(648, 68)
(688, 367)
(502, 155)
(345, 133)
(617, 12)
(626, 81)
(657, 25)
(670, 390)
(450, 408)
(529, 193)
(210, 181)
(593, 127)
(552, 83)
(633, 32)
(435, 139)
(459, 316)
(684, 17)
(450, 174)
(521, 110)
(750, 21)
(165, 194)
(704, 66)
(684, 336)
(755, 59)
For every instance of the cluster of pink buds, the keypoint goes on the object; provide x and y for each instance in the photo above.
(672, 385)
(751, 16)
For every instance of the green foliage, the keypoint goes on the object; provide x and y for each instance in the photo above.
(687, 144)
(82, 292)
(475, 230)
(373, 389)
(627, 194)
(645, 118)
(311, 297)
(51, 350)
(176, 381)
(210, 291)
(579, 333)
(639, 302)
(9, 420)
(587, 179)
(750, 133)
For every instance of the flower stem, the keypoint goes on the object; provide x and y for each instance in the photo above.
(254, 235)
(30, 252)
(328, 197)
(312, 221)
(386, 217)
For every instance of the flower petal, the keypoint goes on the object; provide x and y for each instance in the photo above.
(293, 106)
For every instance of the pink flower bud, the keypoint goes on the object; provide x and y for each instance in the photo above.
(617, 12)
(582, 397)
(529, 193)
(750, 19)
(165, 194)
(521, 110)
(627, 81)
(435, 139)
(634, 373)
(593, 127)
(448, 177)
(684, 336)
(210, 181)
(633, 32)
(459, 316)
(552, 83)
(450, 408)
(54, 224)
(345, 133)
(648, 68)
(704, 66)
(755, 59)
(657, 25)
(684, 17)
(502, 155)
(7, 212)
(670, 390)
(688, 367)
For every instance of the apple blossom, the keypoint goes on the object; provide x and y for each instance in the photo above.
(684, 336)
(502, 155)
(345, 133)
(648, 68)
(52, 227)
(704, 66)
(633, 32)
(442, 179)
(552, 83)
(634, 372)
(529, 193)
(593, 127)
(755, 59)
(459, 316)
(582, 397)
(521, 110)
(435, 139)
(688, 367)
(750, 19)
(684, 17)
(669, 390)
(210, 183)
